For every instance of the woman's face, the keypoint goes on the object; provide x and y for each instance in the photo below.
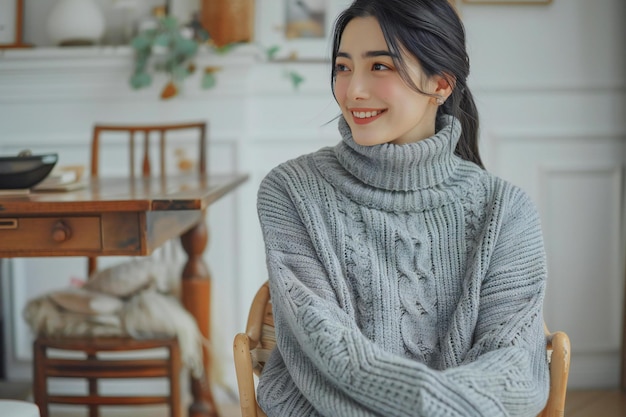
(374, 99)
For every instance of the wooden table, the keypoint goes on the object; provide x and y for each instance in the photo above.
(118, 216)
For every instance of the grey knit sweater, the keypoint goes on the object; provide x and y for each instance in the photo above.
(405, 282)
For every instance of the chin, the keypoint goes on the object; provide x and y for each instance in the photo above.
(367, 135)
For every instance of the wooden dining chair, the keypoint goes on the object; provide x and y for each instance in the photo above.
(95, 364)
(147, 131)
(143, 164)
(252, 349)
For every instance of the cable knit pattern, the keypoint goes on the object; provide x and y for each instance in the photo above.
(405, 282)
(357, 264)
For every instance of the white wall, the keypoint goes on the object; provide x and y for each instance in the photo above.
(549, 83)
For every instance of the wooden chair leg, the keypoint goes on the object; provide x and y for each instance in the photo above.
(93, 390)
(174, 376)
(39, 378)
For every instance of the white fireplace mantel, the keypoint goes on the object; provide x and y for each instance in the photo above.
(103, 72)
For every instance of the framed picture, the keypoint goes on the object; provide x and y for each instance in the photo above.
(300, 29)
(10, 22)
(508, 1)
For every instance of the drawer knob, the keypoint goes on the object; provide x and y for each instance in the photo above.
(61, 232)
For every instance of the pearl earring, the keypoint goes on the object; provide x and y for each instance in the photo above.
(440, 101)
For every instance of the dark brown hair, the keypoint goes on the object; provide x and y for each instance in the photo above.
(433, 33)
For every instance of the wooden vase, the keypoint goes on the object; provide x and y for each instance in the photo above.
(228, 21)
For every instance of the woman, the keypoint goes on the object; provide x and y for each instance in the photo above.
(406, 280)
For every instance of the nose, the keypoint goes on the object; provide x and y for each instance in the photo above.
(358, 87)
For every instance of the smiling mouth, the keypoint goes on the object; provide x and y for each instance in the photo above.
(364, 117)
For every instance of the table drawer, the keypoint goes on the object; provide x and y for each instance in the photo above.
(43, 233)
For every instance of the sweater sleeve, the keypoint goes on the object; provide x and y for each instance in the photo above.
(341, 373)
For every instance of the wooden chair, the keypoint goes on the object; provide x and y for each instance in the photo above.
(93, 366)
(200, 128)
(559, 351)
(252, 348)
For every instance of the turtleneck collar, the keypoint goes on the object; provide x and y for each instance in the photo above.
(407, 167)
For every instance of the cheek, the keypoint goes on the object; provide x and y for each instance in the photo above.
(386, 90)
(341, 88)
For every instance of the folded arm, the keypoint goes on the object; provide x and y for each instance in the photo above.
(337, 369)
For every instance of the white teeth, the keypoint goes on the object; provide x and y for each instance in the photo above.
(363, 115)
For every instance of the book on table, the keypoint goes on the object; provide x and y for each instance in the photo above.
(61, 179)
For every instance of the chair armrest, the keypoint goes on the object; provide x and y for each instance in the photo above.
(245, 380)
(559, 343)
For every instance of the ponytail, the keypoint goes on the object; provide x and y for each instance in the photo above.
(462, 107)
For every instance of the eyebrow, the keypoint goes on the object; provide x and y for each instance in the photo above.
(368, 54)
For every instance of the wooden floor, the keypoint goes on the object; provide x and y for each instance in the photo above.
(578, 404)
(607, 403)
(595, 404)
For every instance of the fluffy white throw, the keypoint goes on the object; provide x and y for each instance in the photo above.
(143, 308)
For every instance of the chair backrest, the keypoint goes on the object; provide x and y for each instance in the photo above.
(149, 134)
(251, 350)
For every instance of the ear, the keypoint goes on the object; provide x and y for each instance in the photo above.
(443, 86)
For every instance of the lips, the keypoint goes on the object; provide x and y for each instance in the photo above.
(365, 116)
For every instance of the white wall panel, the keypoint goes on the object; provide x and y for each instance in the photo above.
(582, 208)
(577, 182)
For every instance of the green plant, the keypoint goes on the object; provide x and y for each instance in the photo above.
(293, 76)
(171, 49)
(168, 50)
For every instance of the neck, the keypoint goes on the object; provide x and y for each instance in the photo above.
(424, 130)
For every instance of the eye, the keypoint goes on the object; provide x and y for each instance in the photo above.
(380, 67)
(341, 68)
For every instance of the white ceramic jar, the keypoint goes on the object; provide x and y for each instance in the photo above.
(76, 22)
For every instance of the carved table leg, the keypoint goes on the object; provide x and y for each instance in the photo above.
(196, 295)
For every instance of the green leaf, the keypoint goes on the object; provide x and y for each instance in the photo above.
(186, 47)
(140, 80)
(141, 42)
(296, 79)
(168, 65)
(180, 73)
(150, 33)
(224, 49)
(208, 80)
(202, 35)
(272, 51)
(169, 22)
(141, 61)
(163, 39)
